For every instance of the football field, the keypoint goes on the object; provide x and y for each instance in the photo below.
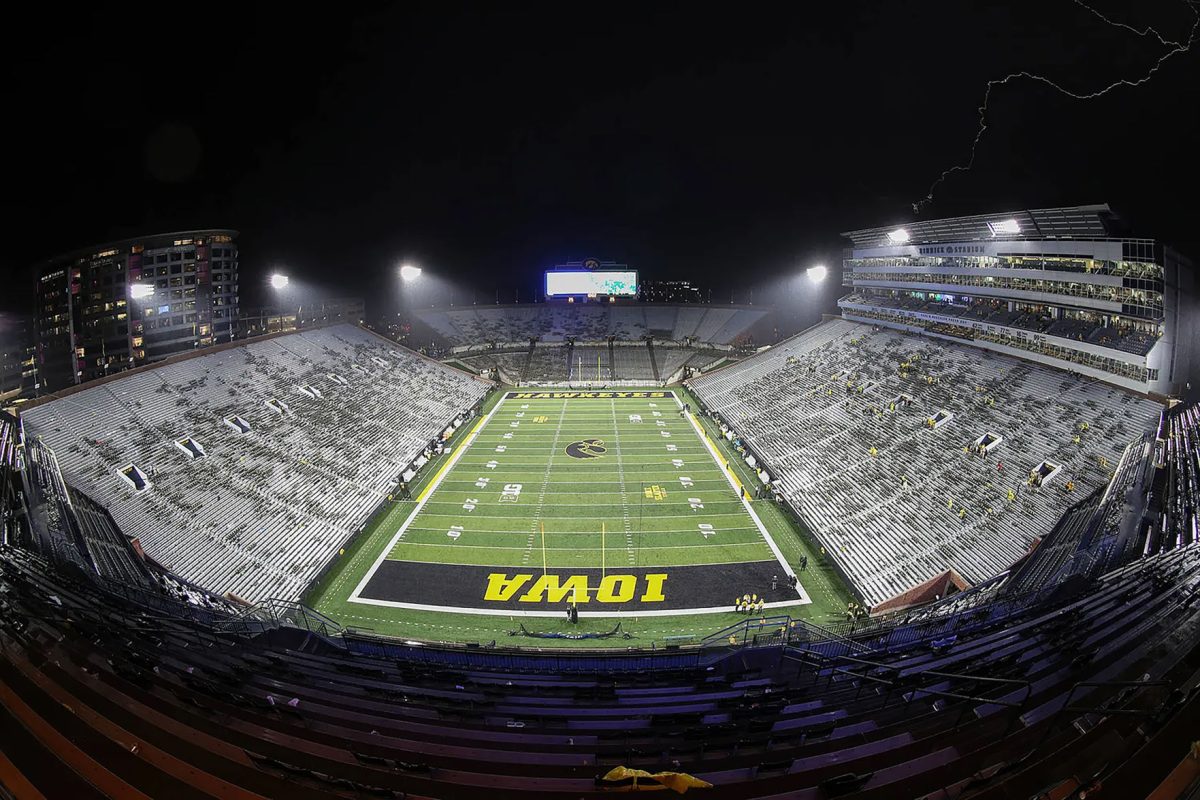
(614, 499)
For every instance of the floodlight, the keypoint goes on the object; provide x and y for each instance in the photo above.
(817, 273)
(140, 291)
(898, 236)
(410, 273)
(279, 281)
(1004, 226)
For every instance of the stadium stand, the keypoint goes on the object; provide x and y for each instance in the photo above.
(637, 362)
(590, 322)
(1078, 669)
(673, 359)
(1128, 338)
(1179, 488)
(510, 366)
(98, 698)
(843, 416)
(244, 469)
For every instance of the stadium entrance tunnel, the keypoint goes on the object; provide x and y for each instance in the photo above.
(703, 588)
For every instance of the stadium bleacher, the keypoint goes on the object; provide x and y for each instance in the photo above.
(99, 700)
(590, 322)
(1128, 338)
(334, 415)
(894, 502)
(1076, 667)
(635, 362)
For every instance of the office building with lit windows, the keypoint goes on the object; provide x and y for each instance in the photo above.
(1065, 287)
(114, 306)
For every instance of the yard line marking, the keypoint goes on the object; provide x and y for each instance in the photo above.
(422, 500)
(668, 531)
(629, 551)
(742, 495)
(537, 512)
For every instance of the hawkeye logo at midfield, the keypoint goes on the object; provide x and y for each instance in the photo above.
(555, 589)
(587, 448)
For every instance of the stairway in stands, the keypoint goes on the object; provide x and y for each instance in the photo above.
(524, 376)
(653, 360)
(612, 360)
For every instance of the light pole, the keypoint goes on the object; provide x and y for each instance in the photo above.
(409, 275)
(279, 282)
(138, 293)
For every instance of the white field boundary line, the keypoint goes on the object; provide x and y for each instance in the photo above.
(787, 572)
(804, 599)
(579, 494)
(427, 493)
(614, 614)
(413, 543)
(576, 517)
(585, 550)
(471, 481)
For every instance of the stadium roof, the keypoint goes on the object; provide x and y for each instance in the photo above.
(1074, 222)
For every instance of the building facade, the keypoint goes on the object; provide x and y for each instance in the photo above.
(16, 336)
(669, 292)
(1058, 286)
(119, 305)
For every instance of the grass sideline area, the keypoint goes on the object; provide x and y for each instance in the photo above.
(511, 539)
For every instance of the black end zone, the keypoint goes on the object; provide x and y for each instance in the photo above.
(598, 394)
(628, 590)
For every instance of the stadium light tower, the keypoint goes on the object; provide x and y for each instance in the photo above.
(409, 273)
(816, 273)
(279, 281)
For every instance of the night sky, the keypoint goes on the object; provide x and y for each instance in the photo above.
(724, 145)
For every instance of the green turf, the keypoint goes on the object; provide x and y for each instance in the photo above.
(592, 511)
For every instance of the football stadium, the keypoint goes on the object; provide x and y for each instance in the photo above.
(941, 544)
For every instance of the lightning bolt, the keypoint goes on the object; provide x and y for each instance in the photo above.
(1174, 48)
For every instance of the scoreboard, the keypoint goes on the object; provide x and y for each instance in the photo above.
(591, 283)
